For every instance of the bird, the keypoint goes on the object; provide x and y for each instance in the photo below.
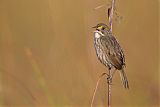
(109, 51)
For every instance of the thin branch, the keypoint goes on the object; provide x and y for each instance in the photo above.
(95, 90)
(109, 79)
(98, 7)
(111, 13)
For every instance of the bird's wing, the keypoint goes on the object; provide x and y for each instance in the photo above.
(113, 51)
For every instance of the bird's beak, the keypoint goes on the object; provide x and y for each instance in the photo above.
(94, 27)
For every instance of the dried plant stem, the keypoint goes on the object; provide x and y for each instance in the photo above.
(98, 7)
(95, 90)
(110, 75)
(111, 13)
(109, 88)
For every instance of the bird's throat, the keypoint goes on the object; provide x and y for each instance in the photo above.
(97, 34)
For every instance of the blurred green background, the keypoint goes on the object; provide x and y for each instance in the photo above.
(47, 56)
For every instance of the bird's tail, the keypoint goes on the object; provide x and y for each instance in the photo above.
(124, 79)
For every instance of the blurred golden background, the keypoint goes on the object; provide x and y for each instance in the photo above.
(47, 56)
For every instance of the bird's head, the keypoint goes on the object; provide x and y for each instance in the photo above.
(101, 27)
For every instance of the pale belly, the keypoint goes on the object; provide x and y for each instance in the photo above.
(101, 55)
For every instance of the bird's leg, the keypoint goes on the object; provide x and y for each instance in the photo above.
(109, 79)
(110, 76)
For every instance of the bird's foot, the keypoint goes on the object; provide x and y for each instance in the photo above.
(109, 79)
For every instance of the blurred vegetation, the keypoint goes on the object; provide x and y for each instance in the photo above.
(47, 56)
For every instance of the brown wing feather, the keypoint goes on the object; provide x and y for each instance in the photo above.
(113, 51)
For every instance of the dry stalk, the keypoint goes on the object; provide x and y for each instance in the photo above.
(111, 11)
(95, 90)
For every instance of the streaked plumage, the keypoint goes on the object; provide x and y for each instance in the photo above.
(109, 51)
